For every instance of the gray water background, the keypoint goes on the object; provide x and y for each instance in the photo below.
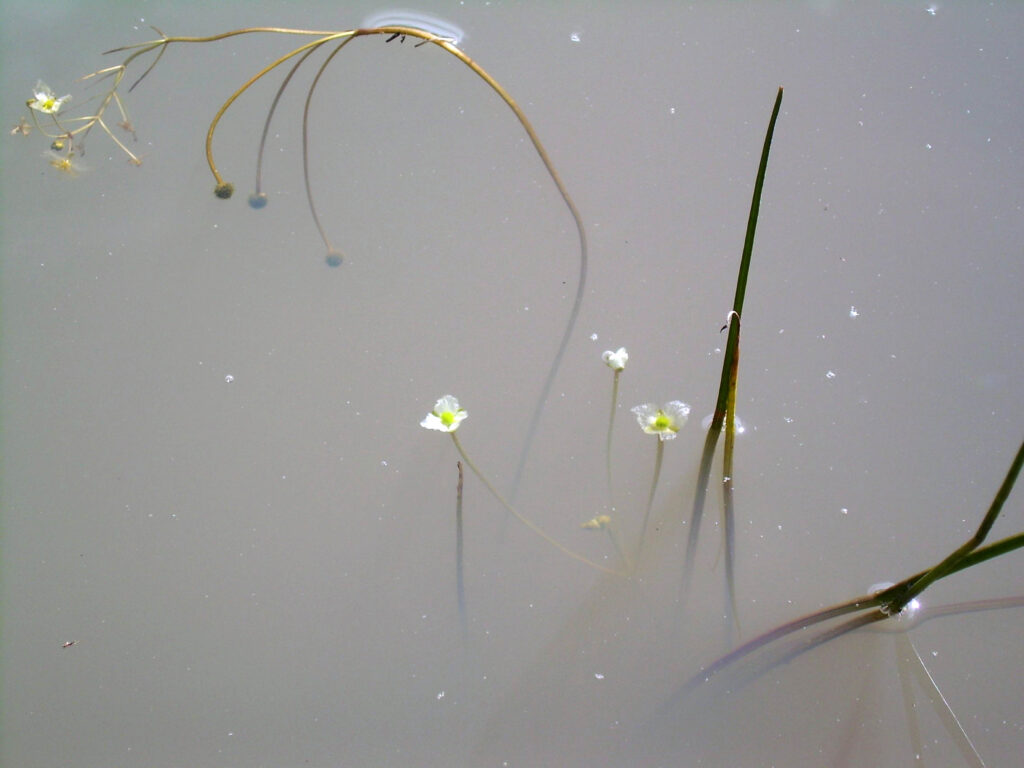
(260, 571)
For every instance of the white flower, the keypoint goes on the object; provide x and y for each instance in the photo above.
(616, 360)
(446, 416)
(663, 422)
(46, 101)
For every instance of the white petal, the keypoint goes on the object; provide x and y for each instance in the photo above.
(678, 411)
(447, 403)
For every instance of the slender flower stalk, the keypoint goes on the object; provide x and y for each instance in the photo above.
(617, 362)
(664, 422)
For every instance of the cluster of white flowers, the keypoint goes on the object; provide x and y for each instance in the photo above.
(664, 421)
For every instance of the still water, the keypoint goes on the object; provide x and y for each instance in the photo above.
(228, 542)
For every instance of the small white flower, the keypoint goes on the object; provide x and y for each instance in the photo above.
(46, 100)
(615, 360)
(663, 422)
(446, 416)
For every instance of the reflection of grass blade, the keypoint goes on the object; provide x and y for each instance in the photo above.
(964, 557)
(731, 351)
(774, 657)
(703, 474)
(906, 654)
(900, 650)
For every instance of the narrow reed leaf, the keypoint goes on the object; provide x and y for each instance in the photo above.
(731, 351)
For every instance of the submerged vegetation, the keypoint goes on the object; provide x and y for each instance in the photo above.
(53, 117)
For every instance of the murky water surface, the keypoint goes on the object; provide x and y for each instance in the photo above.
(226, 539)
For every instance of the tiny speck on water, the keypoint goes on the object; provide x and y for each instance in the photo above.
(598, 676)
(229, 378)
(854, 312)
(593, 337)
(830, 375)
(575, 37)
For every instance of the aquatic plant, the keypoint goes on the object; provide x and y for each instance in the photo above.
(72, 132)
(50, 116)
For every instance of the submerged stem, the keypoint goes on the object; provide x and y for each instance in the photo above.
(524, 520)
(650, 495)
(608, 442)
(460, 593)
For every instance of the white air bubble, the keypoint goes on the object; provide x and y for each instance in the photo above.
(416, 20)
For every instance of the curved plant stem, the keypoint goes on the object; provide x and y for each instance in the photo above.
(331, 250)
(224, 189)
(525, 520)
(270, 114)
(448, 46)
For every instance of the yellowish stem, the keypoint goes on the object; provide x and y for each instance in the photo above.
(525, 520)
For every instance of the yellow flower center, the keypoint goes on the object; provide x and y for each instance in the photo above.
(447, 418)
(662, 422)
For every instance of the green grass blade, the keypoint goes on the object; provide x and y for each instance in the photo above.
(731, 351)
